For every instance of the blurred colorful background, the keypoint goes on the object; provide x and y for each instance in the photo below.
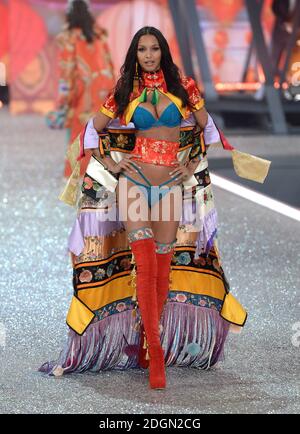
(28, 29)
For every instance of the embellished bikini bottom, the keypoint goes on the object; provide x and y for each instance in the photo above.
(154, 151)
(153, 193)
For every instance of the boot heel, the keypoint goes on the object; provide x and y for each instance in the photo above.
(157, 374)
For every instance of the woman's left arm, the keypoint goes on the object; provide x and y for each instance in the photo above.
(185, 170)
(201, 117)
(196, 105)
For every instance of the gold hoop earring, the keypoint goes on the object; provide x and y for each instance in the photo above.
(136, 78)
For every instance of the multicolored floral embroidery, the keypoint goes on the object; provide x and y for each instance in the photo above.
(105, 139)
(186, 137)
(181, 298)
(207, 195)
(195, 299)
(203, 178)
(85, 276)
(164, 247)
(97, 187)
(121, 307)
(209, 263)
(115, 307)
(96, 191)
(99, 273)
(87, 183)
(110, 269)
(183, 258)
(122, 141)
(125, 264)
(200, 261)
(140, 234)
(196, 150)
(174, 297)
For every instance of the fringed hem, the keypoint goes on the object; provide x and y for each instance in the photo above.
(233, 328)
(191, 336)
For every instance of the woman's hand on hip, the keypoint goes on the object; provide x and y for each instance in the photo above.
(125, 165)
(181, 171)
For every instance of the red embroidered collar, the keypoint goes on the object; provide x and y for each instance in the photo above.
(152, 80)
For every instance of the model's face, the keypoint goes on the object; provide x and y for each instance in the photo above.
(149, 53)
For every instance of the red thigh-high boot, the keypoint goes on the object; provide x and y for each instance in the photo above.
(146, 272)
(164, 253)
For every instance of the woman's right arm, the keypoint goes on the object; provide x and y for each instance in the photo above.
(100, 121)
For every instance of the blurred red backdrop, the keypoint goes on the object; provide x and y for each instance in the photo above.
(28, 28)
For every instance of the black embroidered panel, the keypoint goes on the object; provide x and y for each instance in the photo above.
(100, 272)
(93, 188)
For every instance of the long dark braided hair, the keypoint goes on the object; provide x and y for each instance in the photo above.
(124, 85)
(80, 16)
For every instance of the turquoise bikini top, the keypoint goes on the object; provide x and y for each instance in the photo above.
(144, 120)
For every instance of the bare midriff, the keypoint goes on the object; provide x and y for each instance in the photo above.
(156, 173)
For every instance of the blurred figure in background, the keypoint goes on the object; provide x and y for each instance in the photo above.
(85, 73)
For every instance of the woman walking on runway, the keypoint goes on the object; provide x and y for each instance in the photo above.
(85, 71)
(149, 290)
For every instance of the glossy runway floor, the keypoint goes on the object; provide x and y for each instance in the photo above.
(260, 251)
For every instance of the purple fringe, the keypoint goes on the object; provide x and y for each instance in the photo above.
(207, 234)
(207, 227)
(112, 343)
(189, 216)
(101, 347)
(184, 324)
(90, 224)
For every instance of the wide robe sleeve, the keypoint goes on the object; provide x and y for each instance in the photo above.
(245, 165)
(196, 101)
(109, 107)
